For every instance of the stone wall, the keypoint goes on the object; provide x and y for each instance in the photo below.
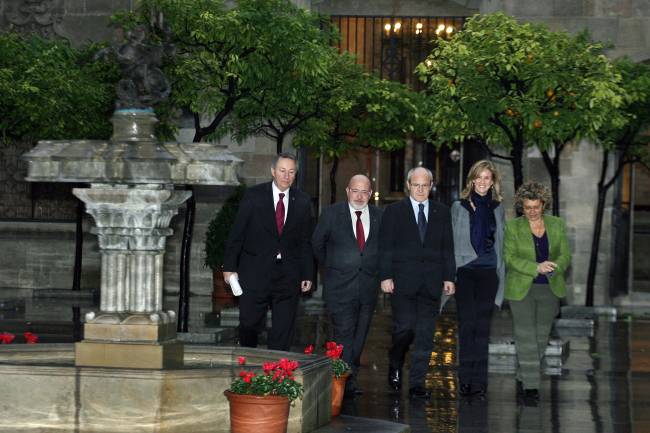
(78, 21)
(626, 24)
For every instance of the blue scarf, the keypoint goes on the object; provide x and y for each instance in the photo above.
(482, 223)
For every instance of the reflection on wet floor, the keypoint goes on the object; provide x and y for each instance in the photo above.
(603, 386)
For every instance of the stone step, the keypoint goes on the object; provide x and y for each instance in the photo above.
(581, 312)
(208, 336)
(566, 327)
(66, 294)
(506, 347)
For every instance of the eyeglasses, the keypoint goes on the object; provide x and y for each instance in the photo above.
(359, 191)
(420, 185)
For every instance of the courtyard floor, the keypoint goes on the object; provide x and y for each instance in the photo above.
(601, 386)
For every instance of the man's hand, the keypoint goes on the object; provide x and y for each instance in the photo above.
(226, 276)
(448, 288)
(305, 286)
(387, 286)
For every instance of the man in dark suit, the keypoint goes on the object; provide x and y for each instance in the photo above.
(346, 243)
(416, 266)
(269, 251)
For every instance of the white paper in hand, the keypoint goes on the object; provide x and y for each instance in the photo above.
(234, 285)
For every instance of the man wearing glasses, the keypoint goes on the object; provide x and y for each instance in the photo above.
(345, 243)
(416, 266)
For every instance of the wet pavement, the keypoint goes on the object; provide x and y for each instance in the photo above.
(602, 386)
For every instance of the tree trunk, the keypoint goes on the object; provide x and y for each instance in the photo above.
(279, 141)
(595, 243)
(553, 168)
(517, 154)
(78, 247)
(186, 249)
(333, 170)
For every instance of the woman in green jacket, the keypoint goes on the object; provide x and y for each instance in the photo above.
(536, 254)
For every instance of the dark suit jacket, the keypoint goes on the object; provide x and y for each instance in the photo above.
(335, 246)
(254, 242)
(409, 262)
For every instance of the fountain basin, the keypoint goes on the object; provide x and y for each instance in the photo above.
(44, 392)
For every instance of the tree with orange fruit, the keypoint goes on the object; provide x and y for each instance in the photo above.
(512, 86)
(622, 145)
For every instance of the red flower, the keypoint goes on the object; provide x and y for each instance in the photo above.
(30, 338)
(330, 345)
(248, 377)
(268, 367)
(6, 337)
(241, 360)
(309, 349)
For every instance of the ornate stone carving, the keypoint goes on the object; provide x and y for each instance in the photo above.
(143, 83)
(42, 17)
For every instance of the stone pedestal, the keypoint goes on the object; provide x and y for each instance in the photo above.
(131, 330)
(132, 200)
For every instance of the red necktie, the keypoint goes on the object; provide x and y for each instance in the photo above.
(279, 214)
(361, 237)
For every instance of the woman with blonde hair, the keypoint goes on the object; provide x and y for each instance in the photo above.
(536, 253)
(478, 224)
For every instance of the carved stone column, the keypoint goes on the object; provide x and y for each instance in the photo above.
(131, 329)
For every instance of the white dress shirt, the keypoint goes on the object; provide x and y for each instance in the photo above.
(365, 220)
(416, 208)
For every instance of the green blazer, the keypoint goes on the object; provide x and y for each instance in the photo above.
(519, 256)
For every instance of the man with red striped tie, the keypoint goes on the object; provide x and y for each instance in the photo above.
(346, 244)
(269, 252)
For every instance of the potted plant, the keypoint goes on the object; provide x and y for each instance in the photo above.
(215, 244)
(340, 373)
(260, 402)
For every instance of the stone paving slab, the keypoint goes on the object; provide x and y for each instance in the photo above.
(353, 424)
(506, 346)
(580, 312)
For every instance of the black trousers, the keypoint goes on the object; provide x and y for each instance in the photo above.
(414, 321)
(476, 289)
(282, 295)
(351, 322)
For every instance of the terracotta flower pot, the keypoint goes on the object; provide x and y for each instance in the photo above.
(257, 413)
(338, 389)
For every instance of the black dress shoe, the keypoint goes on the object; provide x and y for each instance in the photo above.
(479, 391)
(531, 393)
(419, 392)
(465, 389)
(395, 378)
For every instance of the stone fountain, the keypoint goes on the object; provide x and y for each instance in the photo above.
(130, 373)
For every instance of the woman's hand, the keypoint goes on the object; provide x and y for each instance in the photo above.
(546, 267)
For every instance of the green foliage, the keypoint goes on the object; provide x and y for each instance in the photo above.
(363, 111)
(514, 84)
(292, 88)
(226, 55)
(219, 228)
(340, 367)
(53, 91)
(631, 136)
